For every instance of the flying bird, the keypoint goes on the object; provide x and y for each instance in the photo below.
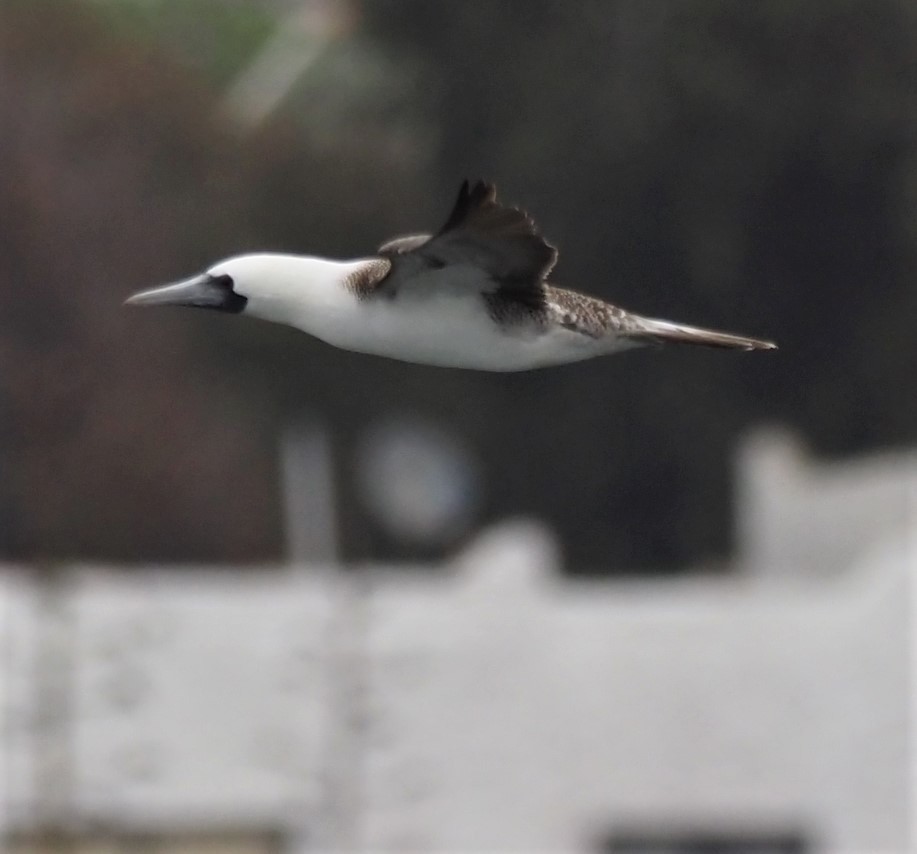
(473, 295)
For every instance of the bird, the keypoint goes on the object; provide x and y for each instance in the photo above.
(475, 294)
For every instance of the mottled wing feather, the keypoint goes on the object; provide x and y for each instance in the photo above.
(366, 281)
(588, 315)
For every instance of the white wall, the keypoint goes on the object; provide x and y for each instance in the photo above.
(488, 706)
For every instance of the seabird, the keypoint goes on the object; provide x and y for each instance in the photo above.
(473, 295)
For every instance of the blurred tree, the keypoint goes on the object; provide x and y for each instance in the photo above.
(111, 178)
(127, 436)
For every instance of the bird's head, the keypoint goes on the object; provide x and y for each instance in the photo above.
(270, 286)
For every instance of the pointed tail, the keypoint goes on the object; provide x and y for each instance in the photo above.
(661, 332)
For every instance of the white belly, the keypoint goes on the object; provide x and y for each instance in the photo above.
(451, 331)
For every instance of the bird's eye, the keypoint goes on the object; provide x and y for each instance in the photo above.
(223, 280)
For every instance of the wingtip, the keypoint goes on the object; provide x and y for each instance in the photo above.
(664, 330)
(763, 345)
(480, 190)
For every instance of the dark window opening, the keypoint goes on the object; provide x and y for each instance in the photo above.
(705, 842)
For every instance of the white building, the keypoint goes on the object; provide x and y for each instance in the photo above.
(488, 706)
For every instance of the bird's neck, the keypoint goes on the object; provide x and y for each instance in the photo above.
(309, 293)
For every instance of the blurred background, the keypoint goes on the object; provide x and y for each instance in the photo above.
(262, 595)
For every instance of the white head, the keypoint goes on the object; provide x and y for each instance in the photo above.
(282, 288)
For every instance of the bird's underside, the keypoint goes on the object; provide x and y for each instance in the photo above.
(513, 260)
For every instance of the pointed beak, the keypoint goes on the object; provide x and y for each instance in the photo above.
(204, 291)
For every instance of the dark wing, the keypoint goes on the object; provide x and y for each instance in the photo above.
(501, 241)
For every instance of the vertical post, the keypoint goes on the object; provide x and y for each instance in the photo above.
(53, 710)
(314, 472)
(309, 508)
(342, 805)
(910, 569)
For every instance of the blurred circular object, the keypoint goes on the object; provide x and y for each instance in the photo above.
(419, 482)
